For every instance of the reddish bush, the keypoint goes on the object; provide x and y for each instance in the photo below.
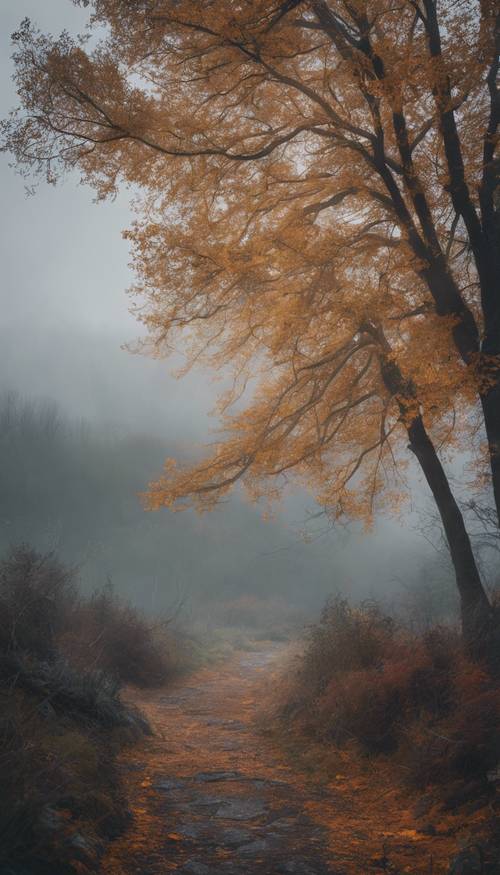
(464, 743)
(345, 639)
(421, 699)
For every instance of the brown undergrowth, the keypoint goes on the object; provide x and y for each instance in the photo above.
(375, 710)
(63, 721)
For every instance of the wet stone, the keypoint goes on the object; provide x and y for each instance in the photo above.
(192, 830)
(214, 777)
(255, 848)
(283, 823)
(204, 805)
(133, 767)
(241, 809)
(298, 867)
(286, 813)
(202, 799)
(170, 784)
(468, 862)
(232, 837)
(194, 867)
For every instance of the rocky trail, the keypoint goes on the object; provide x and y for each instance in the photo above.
(212, 794)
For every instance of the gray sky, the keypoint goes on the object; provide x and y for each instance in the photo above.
(64, 275)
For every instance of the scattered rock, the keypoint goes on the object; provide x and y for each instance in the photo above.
(241, 809)
(235, 725)
(232, 837)
(493, 776)
(286, 812)
(422, 807)
(463, 793)
(194, 867)
(170, 784)
(192, 830)
(428, 829)
(205, 805)
(46, 710)
(50, 819)
(231, 745)
(297, 867)
(203, 799)
(253, 849)
(132, 767)
(283, 823)
(84, 847)
(379, 862)
(467, 862)
(213, 777)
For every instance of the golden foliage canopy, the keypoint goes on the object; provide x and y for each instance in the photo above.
(302, 218)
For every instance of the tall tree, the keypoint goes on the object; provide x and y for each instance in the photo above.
(319, 210)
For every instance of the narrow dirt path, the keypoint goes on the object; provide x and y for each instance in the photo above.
(212, 795)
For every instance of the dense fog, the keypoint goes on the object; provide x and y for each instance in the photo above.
(74, 487)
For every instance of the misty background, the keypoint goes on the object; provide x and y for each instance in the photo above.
(84, 424)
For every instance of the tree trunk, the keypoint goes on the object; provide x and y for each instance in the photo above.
(490, 365)
(491, 410)
(476, 611)
(475, 607)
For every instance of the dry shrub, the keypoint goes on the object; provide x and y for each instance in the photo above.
(345, 639)
(110, 635)
(61, 795)
(462, 743)
(372, 704)
(36, 595)
(62, 720)
(420, 699)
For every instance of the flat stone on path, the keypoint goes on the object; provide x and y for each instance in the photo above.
(191, 829)
(298, 867)
(193, 867)
(214, 777)
(241, 809)
(255, 848)
(170, 784)
(232, 837)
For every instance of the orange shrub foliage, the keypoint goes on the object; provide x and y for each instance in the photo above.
(420, 699)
